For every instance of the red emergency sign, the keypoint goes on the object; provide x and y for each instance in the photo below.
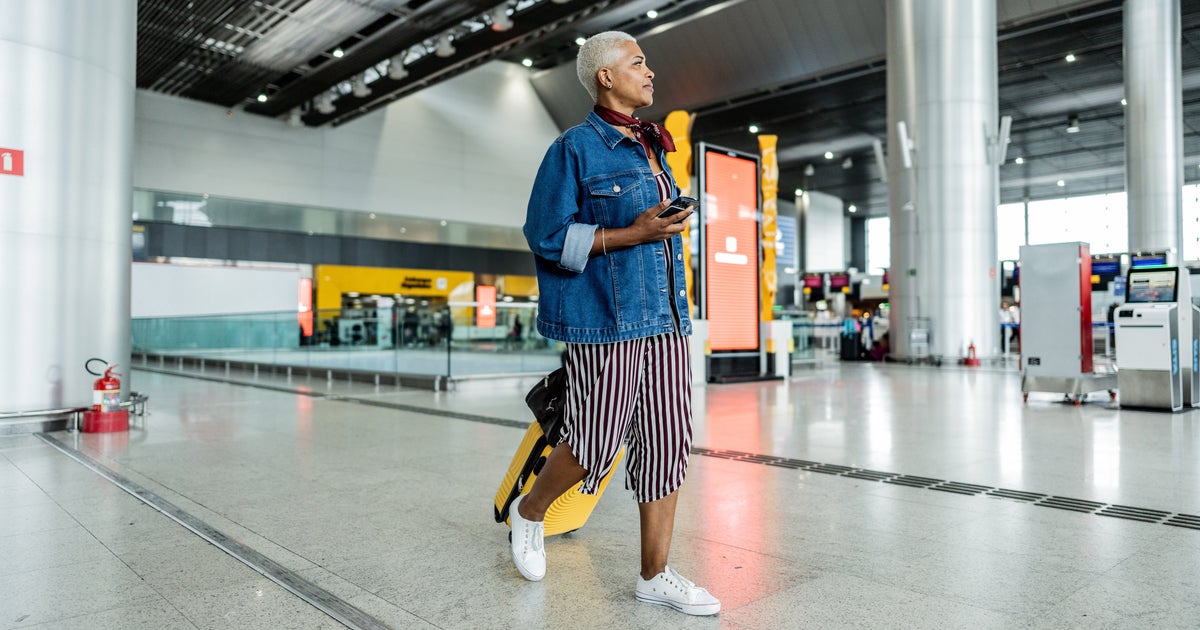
(12, 162)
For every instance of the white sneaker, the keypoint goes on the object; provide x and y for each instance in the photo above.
(671, 589)
(527, 537)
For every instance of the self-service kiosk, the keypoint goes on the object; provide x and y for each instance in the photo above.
(1158, 340)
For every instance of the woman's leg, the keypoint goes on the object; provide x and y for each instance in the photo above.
(559, 474)
(658, 522)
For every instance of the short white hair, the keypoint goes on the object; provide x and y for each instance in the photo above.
(598, 51)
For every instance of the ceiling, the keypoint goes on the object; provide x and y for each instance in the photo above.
(813, 73)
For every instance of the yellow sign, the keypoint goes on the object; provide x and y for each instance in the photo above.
(334, 280)
(770, 225)
(679, 125)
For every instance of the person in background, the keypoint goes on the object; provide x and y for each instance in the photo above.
(611, 275)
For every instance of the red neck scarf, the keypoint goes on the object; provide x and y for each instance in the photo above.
(643, 131)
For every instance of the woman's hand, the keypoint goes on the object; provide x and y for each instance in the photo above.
(647, 228)
(652, 228)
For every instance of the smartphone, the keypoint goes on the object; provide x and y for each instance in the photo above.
(680, 204)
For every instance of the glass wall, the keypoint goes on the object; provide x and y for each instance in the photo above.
(1099, 220)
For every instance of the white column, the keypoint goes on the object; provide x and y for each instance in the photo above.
(954, 42)
(1153, 125)
(66, 102)
(901, 108)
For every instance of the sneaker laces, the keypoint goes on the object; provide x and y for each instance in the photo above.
(672, 574)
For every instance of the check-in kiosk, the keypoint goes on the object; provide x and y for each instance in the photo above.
(1156, 340)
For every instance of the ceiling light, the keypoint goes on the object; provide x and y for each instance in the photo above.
(1019, 160)
(500, 19)
(444, 47)
(1061, 183)
(829, 155)
(358, 86)
(847, 163)
(262, 98)
(324, 103)
(652, 14)
(527, 62)
(338, 52)
(1070, 57)
(579, 41)
(396, 70)
(1073, 124)
(853, 208)
(809, 171)
(1124, 102)
(753, 128)
(799, 192)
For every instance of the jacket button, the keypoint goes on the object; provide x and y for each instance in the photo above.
(616, 188)
(678, 256)
(682, 292)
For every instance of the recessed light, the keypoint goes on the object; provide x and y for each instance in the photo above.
(1070, 57)
(829, 155)
(753, 128)
(652, 14)
(262, 98)
(1124, 102)
(339, 53)
(1019, 160)
(799, 192)
(853, 208)
(579, 41)
(1061, 183)
(527, 62)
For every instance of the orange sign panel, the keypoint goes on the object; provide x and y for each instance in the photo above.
(731, 251)
(485, 306)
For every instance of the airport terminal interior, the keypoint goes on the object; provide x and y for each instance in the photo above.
(274, 316)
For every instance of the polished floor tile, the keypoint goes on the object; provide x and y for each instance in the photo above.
(390, 509)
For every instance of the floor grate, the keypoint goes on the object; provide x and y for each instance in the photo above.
(1074, 505)
(831, 469)
(961, 488)
(870, 475)
(1134, 513)
(1184, 520)
(1019, 495)
(914, 482)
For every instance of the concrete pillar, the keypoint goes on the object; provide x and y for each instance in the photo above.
(66, 105)
(901, 107)
(958, 287)
(1153, 125)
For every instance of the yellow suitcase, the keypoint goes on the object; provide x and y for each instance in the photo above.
(571, 510)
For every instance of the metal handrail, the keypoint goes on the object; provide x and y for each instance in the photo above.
(136, 406)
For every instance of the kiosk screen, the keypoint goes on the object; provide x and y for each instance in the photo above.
(1151, 285)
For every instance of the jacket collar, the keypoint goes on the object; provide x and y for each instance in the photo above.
(607, 132)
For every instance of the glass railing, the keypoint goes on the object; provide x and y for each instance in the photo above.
(449, 341)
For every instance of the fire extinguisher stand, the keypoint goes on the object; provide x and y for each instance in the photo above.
(106, 414)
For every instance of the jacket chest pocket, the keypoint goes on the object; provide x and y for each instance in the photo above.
(615, 200)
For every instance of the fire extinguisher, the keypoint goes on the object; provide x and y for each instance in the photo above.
(106, 391)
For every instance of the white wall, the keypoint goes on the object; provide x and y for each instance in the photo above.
(176, 290)
(466, 149)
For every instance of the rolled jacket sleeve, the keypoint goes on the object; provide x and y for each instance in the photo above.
(550, 221)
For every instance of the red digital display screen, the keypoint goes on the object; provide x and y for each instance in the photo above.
(731, 250)
(838, 280)
(813, 282)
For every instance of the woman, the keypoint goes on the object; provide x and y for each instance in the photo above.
(611, 279)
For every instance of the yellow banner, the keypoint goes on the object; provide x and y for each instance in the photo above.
(679, 124)
(334, 280)
(770, 226)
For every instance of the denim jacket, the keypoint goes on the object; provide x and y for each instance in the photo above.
(592, 177)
